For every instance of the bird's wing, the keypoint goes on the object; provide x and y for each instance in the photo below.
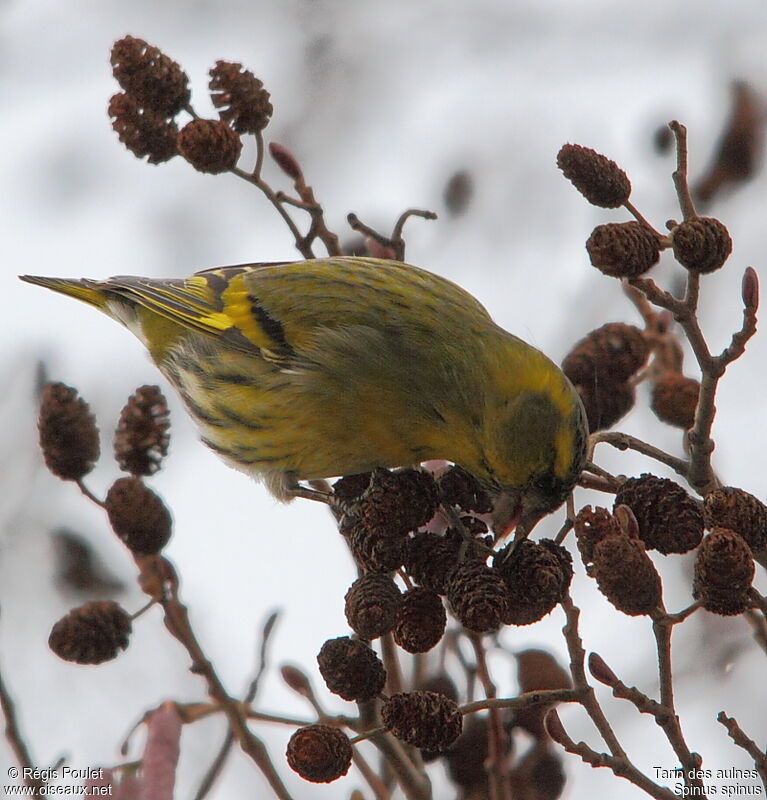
(279, 308)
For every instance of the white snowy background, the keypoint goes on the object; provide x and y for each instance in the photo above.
(381, 102)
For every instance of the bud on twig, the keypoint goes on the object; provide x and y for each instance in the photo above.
(285, 160)
(750, 289)
(161, 752)
(296, 679)
(556, 729)
(601, 672)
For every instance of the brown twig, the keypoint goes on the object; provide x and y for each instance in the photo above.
(177, 622)
(681, 616)
(302, 246)
(337, 720)
(587, 481)
(318, 227)
(681, 184)
(390, 656)
(620, 765)
(749, 745)
(526, 700)
(377, 786)
(663, 712)
(16, 741)
(565, 528)
(218, 762)
(634, 211)
(699, 473)
(578, 672)
(414, 782)
(497, 769)
(395, 242)
(758, 619)
(616, 759)
(624, 441)
(89, 494)
(303, 243)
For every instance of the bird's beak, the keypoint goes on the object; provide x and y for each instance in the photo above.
(510, 514)
(527, 520)
(506, 513)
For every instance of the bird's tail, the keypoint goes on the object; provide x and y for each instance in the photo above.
(81, 289)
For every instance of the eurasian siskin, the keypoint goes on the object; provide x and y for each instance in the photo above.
(311, 369)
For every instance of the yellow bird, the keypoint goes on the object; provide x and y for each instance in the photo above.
(312, 369)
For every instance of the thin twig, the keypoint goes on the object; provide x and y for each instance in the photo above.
(578, 672)
(16, 741)
(356, 224)
(566, 527)
(624, 441)
(679, 175)
(394, 242)
(390, 656)
(588, 481)
(749, 745)
(620, 765)
(681, 616)
(177, 622)
(415, 784)
(305, 249)
(616, 760)
(759, 627)
(699, 472)
(758, 619)
(526, 700)
(497, 769)
(89, 494)
(378, 787)
(396, 237)
(634, 211)
(218, 762)
(750, 293)
(667, 719)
